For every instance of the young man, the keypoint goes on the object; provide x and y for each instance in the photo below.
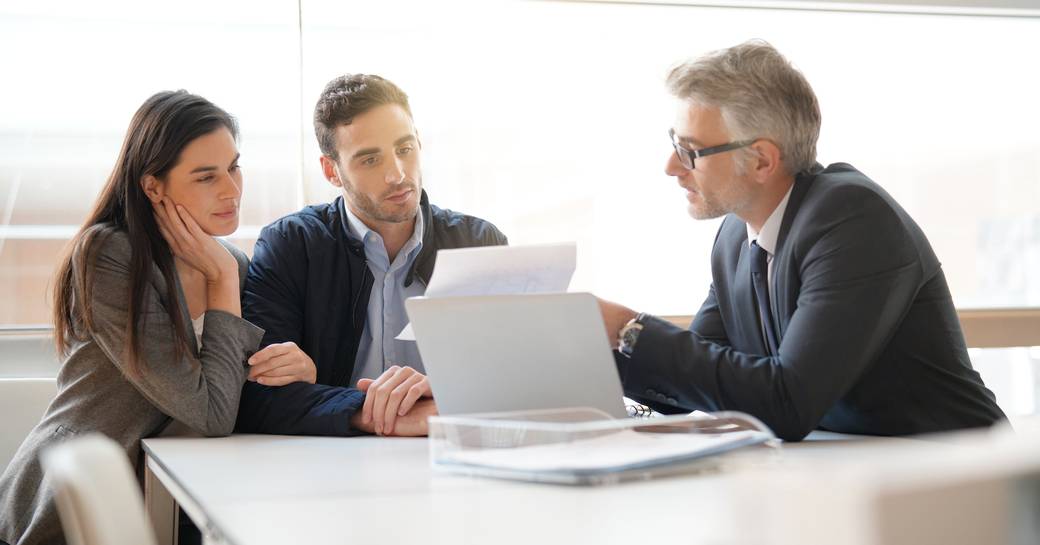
(328, 283)
(828, 308)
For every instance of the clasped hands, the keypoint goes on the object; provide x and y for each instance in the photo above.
(396, 403)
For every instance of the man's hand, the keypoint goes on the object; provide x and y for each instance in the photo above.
(615, 317)
(281, 364)
(412, 424)
(390, 396)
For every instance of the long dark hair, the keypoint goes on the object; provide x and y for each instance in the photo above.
(162, 127)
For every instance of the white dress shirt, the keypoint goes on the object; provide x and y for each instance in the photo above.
(767, 237)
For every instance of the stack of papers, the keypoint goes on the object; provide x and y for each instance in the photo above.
(616, 453)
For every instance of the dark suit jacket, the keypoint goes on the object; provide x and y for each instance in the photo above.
(870, 342)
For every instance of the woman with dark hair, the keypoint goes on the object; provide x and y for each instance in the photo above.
(146, 304)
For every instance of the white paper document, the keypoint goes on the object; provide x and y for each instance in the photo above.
(500, 270)
(503, 270)
(624, 450)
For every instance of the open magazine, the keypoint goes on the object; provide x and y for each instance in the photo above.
(584, 446)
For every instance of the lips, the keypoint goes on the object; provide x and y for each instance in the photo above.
(227, 214)
(400, 196)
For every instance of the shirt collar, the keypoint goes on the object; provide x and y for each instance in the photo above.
(355, 224)
(415, 242)
(771, 228)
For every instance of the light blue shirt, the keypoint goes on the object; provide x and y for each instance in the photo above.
(386, 318)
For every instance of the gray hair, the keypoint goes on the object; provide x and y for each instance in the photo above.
(759, 94)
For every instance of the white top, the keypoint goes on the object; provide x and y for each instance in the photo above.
(197, 324)
(767, 236)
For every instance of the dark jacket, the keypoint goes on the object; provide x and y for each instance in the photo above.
(309, 283)
(869, 337)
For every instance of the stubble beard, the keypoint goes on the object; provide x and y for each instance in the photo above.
(370, 207)
(706, 210)
(735, 196)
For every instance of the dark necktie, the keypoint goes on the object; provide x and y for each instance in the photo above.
(760, 280)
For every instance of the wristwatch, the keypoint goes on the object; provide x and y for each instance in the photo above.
(629, 334)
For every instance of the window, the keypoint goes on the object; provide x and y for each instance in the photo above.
(74, 73)
(548, 118)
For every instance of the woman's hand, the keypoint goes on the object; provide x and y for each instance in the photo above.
(192, 245)
(200, 251)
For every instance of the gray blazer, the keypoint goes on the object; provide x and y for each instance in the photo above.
(96, 394)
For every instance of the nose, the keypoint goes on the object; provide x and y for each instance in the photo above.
(231, 186)
(673, 167)
(394, 172)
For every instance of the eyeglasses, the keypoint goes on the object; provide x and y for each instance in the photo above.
(686, 156)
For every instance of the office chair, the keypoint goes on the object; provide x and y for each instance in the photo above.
(98, 498)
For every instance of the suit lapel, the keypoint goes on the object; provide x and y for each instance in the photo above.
(802, 183)
(779, 300)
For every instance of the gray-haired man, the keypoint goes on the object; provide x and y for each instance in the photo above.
(828, 308)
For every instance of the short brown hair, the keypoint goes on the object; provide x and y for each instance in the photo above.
(347, 97)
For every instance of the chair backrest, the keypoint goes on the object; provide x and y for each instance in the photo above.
(97, 495)
(28, 365)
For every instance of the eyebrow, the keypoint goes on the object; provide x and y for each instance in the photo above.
(689, 140)
(403, 139)
(370, 151)
(210, 168)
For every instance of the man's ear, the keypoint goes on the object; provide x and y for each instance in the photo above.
(331, 172)
(153, 188)
(767, 162)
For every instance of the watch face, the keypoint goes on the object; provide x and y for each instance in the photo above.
(629, 335)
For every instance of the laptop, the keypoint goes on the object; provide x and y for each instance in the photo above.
(498, 353)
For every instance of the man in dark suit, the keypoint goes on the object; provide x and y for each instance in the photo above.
(828, 308)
